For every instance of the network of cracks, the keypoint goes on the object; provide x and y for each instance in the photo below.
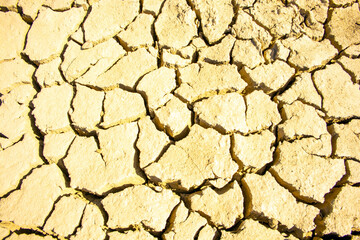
(179, 119)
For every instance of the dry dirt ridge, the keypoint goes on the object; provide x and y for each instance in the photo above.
(179, 119)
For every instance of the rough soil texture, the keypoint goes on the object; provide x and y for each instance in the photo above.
(179, 119)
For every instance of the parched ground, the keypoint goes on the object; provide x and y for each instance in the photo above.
(179, 119)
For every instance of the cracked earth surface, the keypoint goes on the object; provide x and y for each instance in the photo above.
(179, 119)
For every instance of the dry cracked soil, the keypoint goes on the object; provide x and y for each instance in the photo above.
(179, 119)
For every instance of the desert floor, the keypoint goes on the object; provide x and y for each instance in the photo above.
(179, 119)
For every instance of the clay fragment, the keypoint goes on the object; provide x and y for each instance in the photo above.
(66, 216)
(346, 139)
(338, 102)
(269, 77)
(207, 232)
(131, 235)
(279, 19)
(114, 167)
(30, 8)
(303, 89)
(174, 117)
(126, 72)
(59, 5)
(215, 110)
(48, 74)
(254, 151)
(311, 181)
(345, 212)
(14, 73)
(246, 28)
(173, 60)
(22, 95)
(139, 32)
(203, 80)
(219, 53)
(215, 17)
(86, 108)
(270, 201)
(147, 207)
(14, 121)
(51, 107)
(352, 51)
(22, 208)
(117, 110)
(151, 142)
(92, 224)
(56, 145)
(251, 229)
(351, 66)
(354, 169)
(176, 19)
(164, 78)
(51, 46)
(107, 18)
(307, 54)
(277, 52)
(88, 63)
(301, 120)
(185, 225)
(247, 53)
(152, 6)
(203, 154)
(343, 28)
(13, 31)
(261, 112)
(222, 207)
(315, 14)
(17, 161)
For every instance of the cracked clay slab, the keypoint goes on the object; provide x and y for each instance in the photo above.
(51, 46)
(131, 235)
(66, 216)
(250, 229)
(126, 72)
(104, 20)
(86, 109)
(14, 73)
(310, 176)
(338, 102)
(87, 63)
(186, 224)
(111, 166)
(17, 161)
(51, 106)
(268, 200)
(14, 31)
(202, 80)
(117, 110)
(203, 154)
(176, 19)
(215, 17)
(158, 207)
(345, 213)
(254, 151)
(223, 207)
(269, 77)
(22, 208)
(346, 139)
